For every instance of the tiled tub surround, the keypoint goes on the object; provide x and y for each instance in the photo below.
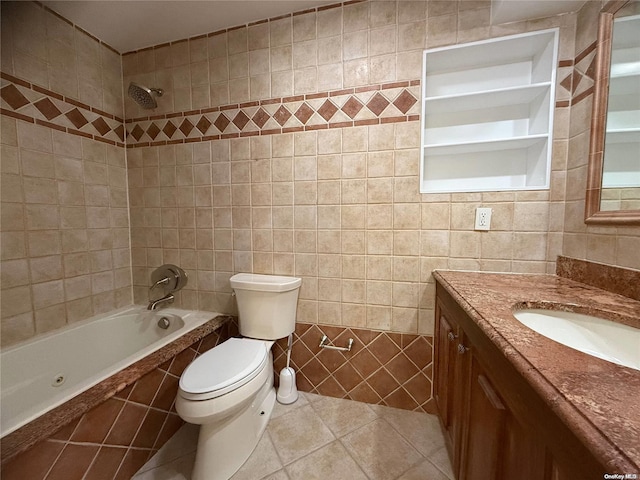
(34, 104)
(370, 105)
(65, 229)
(65, 219)
(109, 431)
(596, 399)
(52, 54)
(382, 368)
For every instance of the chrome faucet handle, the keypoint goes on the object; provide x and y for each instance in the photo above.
(162, 281)
(171, 277)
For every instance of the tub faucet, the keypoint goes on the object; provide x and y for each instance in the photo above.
(154, 305)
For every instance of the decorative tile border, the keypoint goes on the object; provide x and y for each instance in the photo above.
(34, 104)
(581, 78)
(376, 104)
(382, 368)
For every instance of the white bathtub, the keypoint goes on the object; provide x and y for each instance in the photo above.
(41, 374)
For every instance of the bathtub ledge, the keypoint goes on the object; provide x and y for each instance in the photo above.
(49, 423)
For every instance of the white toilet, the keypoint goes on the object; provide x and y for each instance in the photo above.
(229, 389)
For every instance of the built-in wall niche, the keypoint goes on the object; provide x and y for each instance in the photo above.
(487, 114)
(621, 168)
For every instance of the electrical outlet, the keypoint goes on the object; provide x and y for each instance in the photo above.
(483, 218)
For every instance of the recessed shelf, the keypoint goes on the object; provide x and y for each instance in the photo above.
(512, 167)
(485, 146)
(487, 114)
(522, 95)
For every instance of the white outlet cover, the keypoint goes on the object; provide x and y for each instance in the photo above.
(483, 218)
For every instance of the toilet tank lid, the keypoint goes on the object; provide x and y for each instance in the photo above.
(264, 283)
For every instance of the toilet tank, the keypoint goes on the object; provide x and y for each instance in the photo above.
(266, 304)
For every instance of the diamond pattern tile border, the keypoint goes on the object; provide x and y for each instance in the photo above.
(351, 107)
(382, 368)
(375, 104)
(34, 104)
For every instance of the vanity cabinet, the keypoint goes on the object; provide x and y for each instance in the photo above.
(487, 114)
(448, 384)
(495, 425)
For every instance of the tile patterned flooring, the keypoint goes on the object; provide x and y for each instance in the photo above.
(324, 438)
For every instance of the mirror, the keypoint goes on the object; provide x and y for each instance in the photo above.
(613, 183)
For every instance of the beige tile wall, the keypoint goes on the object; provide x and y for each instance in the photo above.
(613, 245)
(356, 45)
(65, 223)
(42, 48)
(339, 207)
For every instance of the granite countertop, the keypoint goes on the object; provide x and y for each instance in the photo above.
(598, 400)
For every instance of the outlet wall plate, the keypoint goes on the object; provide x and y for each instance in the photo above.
(483, 218)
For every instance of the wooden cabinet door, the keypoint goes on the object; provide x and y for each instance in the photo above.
(443, 367)
(524, 456)
(484, 428)
(495, 426)
(496, 446)
(449, 383)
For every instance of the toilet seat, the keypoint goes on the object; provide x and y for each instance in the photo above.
(224, 368)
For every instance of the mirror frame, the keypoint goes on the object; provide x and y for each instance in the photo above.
(592, 212)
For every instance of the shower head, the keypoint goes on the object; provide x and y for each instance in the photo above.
(143, 96)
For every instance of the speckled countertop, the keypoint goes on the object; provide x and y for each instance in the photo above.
(598, 400)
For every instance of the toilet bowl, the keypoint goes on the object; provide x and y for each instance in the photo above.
(229, 390)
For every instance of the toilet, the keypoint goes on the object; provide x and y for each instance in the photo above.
(229, 390)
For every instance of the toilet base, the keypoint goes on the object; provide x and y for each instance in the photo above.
(223, 447)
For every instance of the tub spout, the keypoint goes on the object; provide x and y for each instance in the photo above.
(155, 304)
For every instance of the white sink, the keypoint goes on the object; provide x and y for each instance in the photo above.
(595, 336)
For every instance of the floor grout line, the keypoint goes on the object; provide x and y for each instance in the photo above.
(313, 401)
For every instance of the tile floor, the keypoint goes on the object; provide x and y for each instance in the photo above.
(325, 438)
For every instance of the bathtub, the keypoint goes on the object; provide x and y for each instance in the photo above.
(87, 362)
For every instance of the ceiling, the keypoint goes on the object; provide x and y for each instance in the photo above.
(506, 11)
(128, 25)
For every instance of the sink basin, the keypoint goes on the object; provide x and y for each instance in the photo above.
(595, 336)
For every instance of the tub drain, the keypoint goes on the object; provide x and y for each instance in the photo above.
(57, 381)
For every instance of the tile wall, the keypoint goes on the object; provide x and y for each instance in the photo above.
(45, 49)
(382, 368)
(65, 218)
(286, 146)
(257, 136)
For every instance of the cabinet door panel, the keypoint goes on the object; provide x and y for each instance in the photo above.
(443, 377)
(449, 384)
(524, 457)
(446, 388)
(485, 429)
